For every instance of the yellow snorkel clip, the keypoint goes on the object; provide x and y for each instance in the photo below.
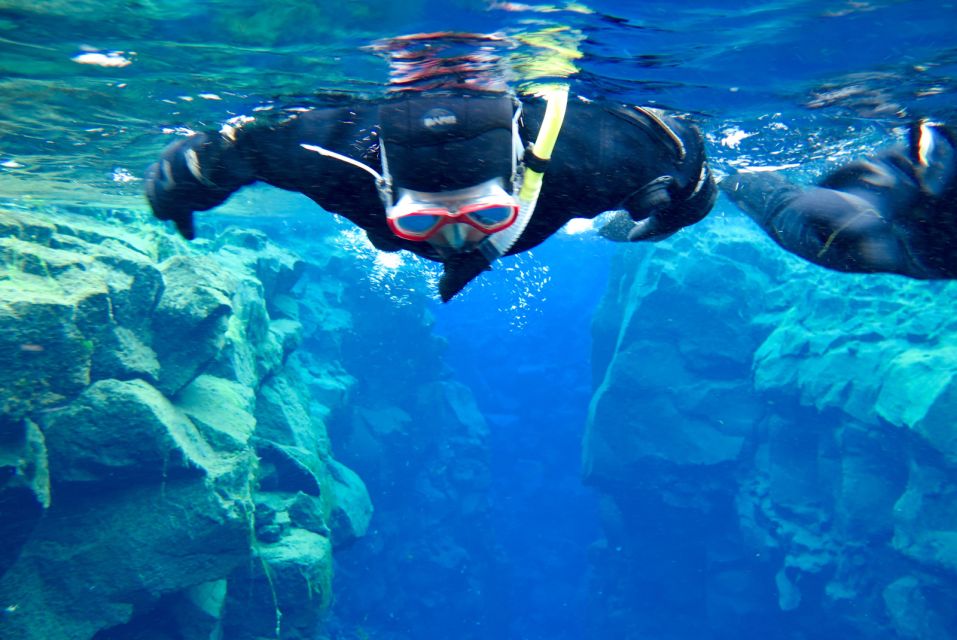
(536, 159)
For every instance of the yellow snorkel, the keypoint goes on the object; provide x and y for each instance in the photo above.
(556, 101)
(537, 157)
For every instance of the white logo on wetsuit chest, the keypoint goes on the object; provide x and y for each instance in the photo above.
(438, 118)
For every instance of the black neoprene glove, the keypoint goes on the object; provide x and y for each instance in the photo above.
(160, 191)
(194, 174)
(171, 187)
(670, 208)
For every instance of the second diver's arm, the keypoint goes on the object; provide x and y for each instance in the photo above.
(892, 213)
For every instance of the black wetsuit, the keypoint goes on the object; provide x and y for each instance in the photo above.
(895, 212)
(607, 157)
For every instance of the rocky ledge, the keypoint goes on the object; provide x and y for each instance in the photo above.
(776, 444)
(164, 465)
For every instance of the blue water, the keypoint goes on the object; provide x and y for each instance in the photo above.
(808, 83)
(531, 374)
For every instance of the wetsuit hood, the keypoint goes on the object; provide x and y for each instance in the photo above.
(436, 143)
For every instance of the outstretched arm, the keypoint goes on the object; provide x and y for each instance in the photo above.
(204, 170)
(893, 213)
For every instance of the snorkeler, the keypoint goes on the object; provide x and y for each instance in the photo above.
(461, 178)
(895, 212)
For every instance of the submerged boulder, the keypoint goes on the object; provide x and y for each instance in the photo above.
(281, 591)
(97, 559)
(221, 409)
(150, 413)
(675, 342)
(191, 319)
(126, 432)
(352, 510)
(760, 416)
(24, 485)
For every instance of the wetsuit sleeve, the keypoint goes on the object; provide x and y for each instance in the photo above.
(202, 171)
(892, 213)
(682, 195)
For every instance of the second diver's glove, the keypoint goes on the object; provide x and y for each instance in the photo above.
(653, 200)
(933, 151)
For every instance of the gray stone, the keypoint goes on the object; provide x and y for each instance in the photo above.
(222, 410)
(44, 357)
(125, 432)
(288, 469)
(191, 319)
(97, 558)
(119, 353)
(908, 603)
(198, 611)
(24, 485)
(285, 413)
(352, 512)
(926, 519)
(277, 269)
(307, 512)
(283, 591)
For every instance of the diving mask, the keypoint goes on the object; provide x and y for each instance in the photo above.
(453, 218)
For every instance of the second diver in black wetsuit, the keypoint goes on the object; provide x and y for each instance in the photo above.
(454, 177)
(895, 212)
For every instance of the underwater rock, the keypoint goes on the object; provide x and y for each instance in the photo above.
(694, 407)
(913, 616)
(119, 550)
(24, 485)
(282, 591)
(452, 404)
(800, 421)
(925, 519)
(287, 414)
(255, 346)
(307, 512)
(121, 354)
(349, 518)
(44, 357)
(136, 400)
(429, 559)
(71, 298)
(338, 508)
(919, 392)
(191, 319)
(277, 269)
(198, 611)
(222, 410)
(288, 469)
(126, 432)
